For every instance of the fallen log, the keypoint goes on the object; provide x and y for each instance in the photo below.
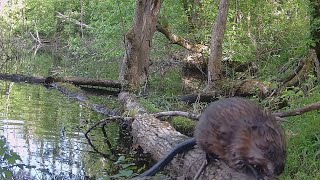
(85, 81)
(22, 78)
(158, 138)
(78, 81)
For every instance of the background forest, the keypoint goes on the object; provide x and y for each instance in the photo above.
(86, 39)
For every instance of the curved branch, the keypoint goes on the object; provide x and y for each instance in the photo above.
(181, 41)
(103, 123)
(177, 113)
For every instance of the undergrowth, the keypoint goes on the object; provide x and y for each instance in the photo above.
(303, 134)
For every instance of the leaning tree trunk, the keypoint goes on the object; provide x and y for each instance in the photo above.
(214, 62)
(135, 64)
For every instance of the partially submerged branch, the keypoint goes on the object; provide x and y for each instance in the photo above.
(103, 123)
(72, 80)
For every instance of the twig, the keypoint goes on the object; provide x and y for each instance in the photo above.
(106, 138)
(200, 171)
(103, 122)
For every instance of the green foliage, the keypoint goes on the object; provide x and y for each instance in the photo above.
(271, 33)
(303, 141)
(8, 159)
(126, 167)
(168, 84)
(150, 106)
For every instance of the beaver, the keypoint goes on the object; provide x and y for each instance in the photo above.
(243, 135)
(240, 133)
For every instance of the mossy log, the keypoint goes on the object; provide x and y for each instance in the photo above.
(305, 67)
(252, 87)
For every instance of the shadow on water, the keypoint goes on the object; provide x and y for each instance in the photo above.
(44, 128)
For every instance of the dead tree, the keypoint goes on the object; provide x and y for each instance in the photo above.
(214, 62)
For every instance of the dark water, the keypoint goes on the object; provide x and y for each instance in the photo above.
(46, 130)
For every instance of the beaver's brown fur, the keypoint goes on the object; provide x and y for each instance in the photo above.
(243, 135)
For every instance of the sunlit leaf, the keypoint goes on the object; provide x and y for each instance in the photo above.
(126, 173)
(120, 159)
(124, 166)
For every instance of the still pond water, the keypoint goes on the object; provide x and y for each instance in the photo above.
(46, 129)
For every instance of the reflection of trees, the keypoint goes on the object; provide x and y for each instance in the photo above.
(8, 93)
(47, 136)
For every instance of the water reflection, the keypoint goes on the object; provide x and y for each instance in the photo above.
(42, 127)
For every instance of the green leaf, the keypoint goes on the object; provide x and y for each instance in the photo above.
(126, 173)
(15, 156)
(2, 143)
(11, 160)
(120, 159)
(124, 166)
(2, 151)
(8, 174)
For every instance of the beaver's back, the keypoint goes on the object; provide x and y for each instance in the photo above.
(240, 133)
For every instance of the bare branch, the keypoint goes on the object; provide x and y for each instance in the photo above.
(177, 113)
(103, 123)
(298, 111)
(67, 18)
(279, 115)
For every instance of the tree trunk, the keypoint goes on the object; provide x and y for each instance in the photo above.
(214, 63)
(135, 64)
(315, 24)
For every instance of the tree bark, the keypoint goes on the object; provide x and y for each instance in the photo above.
(315, 30)
(214, 63)
(135, 64)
